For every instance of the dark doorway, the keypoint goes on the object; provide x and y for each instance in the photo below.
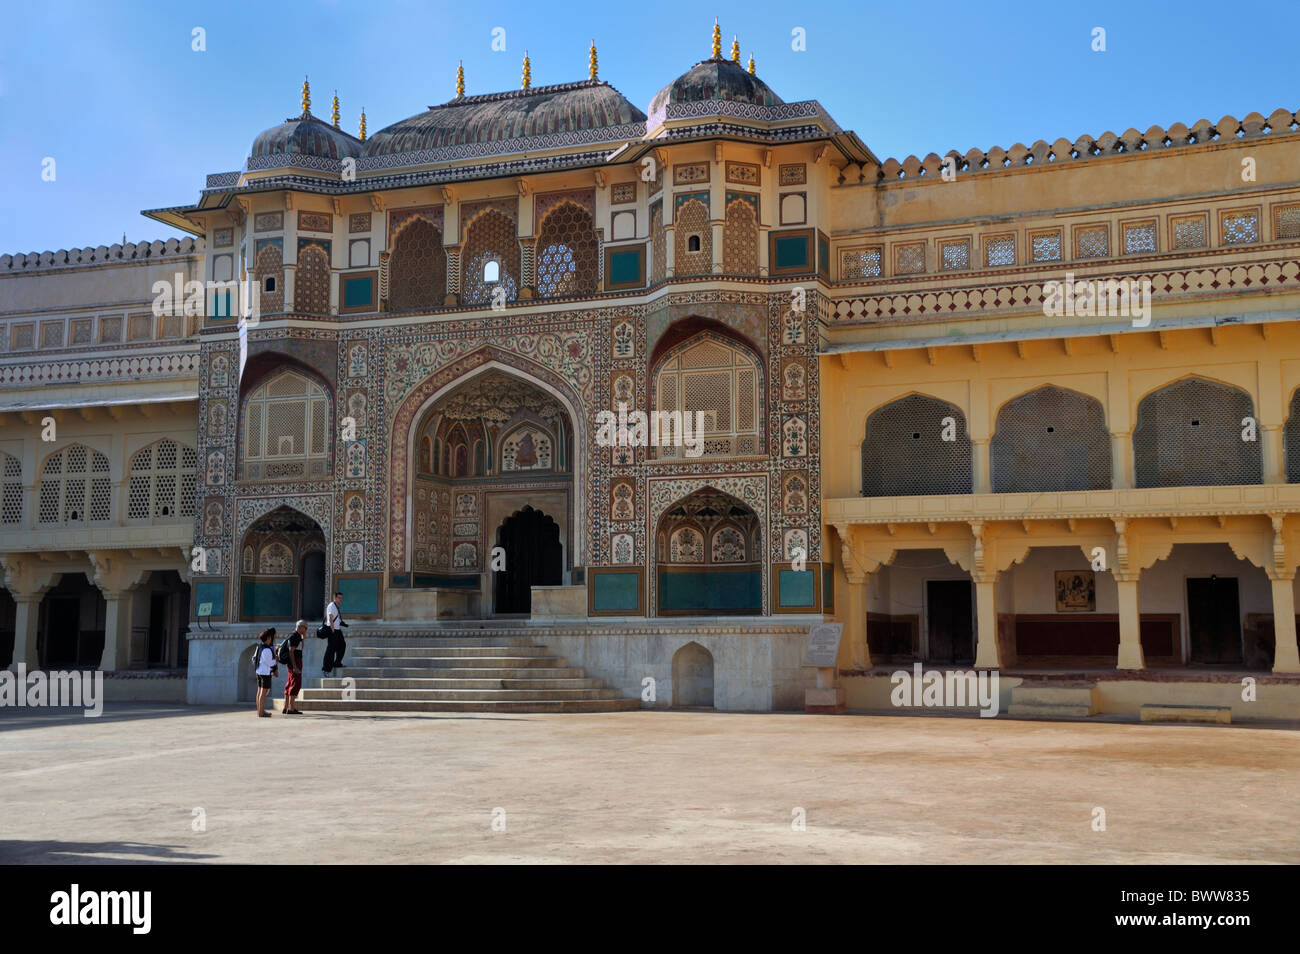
(534, 557)
(952, 636)
(158, 604)
(62, 632)
(1214, 620)
(311, 605)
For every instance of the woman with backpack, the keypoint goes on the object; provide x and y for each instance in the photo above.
(264, 659)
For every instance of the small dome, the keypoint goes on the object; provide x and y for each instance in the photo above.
(517, 114)
(306, 135)
(715, 79)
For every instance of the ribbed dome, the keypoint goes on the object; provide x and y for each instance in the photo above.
(306, 136)
(494, 117)
(715, 79)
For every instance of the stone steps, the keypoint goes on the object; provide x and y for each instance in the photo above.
(1053, 702)
(1219, 715)
(446, 673)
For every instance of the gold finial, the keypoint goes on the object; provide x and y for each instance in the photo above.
(460, 80)
(751, 64)
(363, 124)
(735, 48)
(306, 97)
(334, 112)
(527, 79)
(592, 59)
(717, 39)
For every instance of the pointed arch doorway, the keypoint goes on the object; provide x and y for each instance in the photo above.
(534, 556)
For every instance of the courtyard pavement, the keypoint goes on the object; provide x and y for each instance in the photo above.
(644, 787)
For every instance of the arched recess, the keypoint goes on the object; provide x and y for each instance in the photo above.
(74, 487)
(693, 677)
(285, 429)
(274, 588)
(1050, 439)
(694, 235)
(565, 252)
(491, 237)
(709, 369)
(311, 281)
(534, 547)
(916, 445)
(268, 272)
(740, 236)
(162, 478)
(690, 581)
(1194, 432)
(417, 267)
(411, 417)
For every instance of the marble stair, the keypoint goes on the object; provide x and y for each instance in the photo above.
(459, 672)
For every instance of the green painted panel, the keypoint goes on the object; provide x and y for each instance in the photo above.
(358, 292)
(617, 592)
(211, 591)
(706, 591)
(792, 251)
(625, 266)
(796, 589)
(360, 595)
(267, 598)
(828, 587)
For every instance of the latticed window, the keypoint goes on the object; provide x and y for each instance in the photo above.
(1046, 246)
(1189, 231)
(1000, 250)
(268, 268)
(909, 259)
(566, 253)
(1291, 437)
(916, 445)
(1240, 228)
(658, 244)
(417, 268)
(954, 256)
(861, 263)
(491, 238)
(719, 380)
(162, 481)
(1139, 237)
(1093, 242)
(311, 288)
(740, 239)
(1050, 439)
(1286, 222)
(74, 487)
(1191, 433)
(694, 252)
(11, 489)
(284, 432)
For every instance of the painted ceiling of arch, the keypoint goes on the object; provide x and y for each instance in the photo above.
(495, 399)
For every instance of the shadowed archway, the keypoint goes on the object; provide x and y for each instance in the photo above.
(534, 556)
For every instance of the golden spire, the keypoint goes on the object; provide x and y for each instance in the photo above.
(363, 124)
(460, 80)
(527, 79)
(306, 97)
(751, 64)
(735, 48)
(592, 59)
(717, 39)
(334, 112)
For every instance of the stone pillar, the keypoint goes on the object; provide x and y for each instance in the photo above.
(1121, 461)
(988, 654)
(1272, 453)
(854, 614)
(26, 579)
(718, 238)
(1286, 657)
(116, 577)
(25, 631)
(290, 271)
(670, 250)
(979, 453)
(1130, 629)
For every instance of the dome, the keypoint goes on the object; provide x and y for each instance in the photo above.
(715, 79)
(495, 117)
(306, 135)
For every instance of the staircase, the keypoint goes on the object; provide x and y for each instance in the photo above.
(454, 672)
(1047, 701)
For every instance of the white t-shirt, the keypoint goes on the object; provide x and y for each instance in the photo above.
(266, 662)
(332, 615)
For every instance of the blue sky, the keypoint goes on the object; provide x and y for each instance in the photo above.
(134, 118)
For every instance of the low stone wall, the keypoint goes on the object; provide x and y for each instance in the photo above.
(221, 670)
(144, 686)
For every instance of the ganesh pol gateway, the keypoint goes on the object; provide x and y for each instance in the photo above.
(894, 434)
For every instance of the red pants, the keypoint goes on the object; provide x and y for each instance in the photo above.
(293, 685)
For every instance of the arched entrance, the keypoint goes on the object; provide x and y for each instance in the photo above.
(709, 556)
(530, 544)
(282, 568)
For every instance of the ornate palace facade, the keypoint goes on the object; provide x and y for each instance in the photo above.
(898, 432)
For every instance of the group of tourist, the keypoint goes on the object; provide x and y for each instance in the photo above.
(290, 652)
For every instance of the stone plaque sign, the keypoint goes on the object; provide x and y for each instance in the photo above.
(205, 609)
(823, 644)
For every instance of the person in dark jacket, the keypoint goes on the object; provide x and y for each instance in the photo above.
(294, 684)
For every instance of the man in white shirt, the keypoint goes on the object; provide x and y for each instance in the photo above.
(265, 670)
(336, 645)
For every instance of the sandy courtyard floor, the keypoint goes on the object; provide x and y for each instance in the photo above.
(643, 787)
